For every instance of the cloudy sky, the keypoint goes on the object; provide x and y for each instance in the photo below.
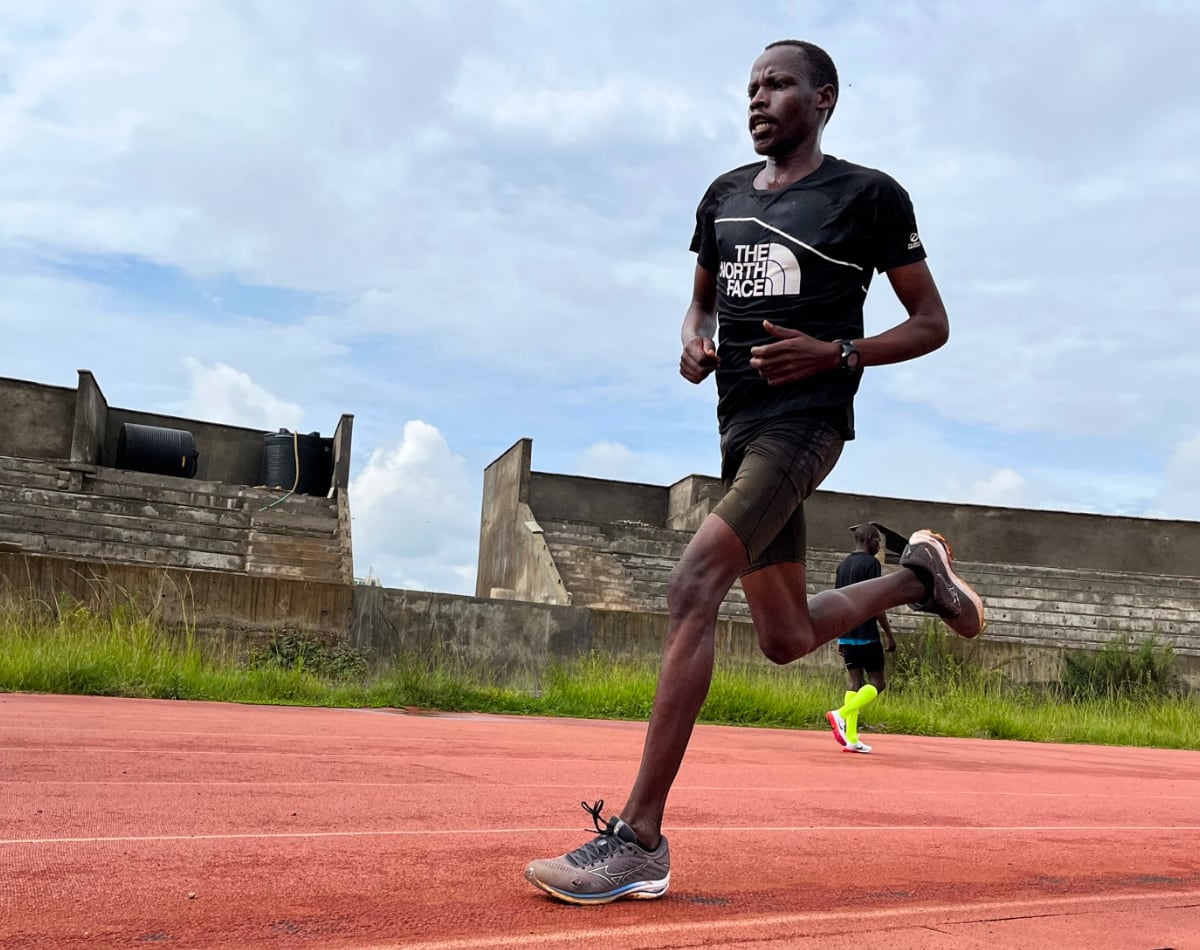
(466, 222)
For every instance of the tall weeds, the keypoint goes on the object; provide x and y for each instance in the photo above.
(62, 647)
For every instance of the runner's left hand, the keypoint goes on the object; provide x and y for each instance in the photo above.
(795, 356)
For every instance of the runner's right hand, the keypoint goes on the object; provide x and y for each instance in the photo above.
(699, 359)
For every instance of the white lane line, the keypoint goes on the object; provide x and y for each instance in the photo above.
(376, 752)
(946, 914)
(857, 828)
(316, 753)
(242, 736)
(1122, 794)
(365, 752)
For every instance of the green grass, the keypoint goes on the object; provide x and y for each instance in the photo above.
(62, 648)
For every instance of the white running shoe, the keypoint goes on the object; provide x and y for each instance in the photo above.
(858, 746)
(838, 725)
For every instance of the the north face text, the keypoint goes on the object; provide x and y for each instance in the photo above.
(761, 270)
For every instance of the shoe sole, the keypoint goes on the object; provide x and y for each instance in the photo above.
(941, 547)
(837, 730)
(640, 891)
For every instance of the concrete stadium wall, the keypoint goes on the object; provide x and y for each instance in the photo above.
(984, 533)
(520, 639)
(235, 607)
(1052, 580)
(513, 560)
(505, 489)
(228, 454)
(508, 637)
(91, 421)
(36, 421)
(979, 533)
(91, 512)
(57, 423)
(558, 497)
(1022, 536)
(62, 496)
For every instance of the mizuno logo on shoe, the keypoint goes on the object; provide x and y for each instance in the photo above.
(618, 877)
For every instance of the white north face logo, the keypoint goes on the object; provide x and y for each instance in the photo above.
(761, 270)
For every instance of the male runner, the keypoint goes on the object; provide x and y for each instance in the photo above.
(786, 248)
(861, 648)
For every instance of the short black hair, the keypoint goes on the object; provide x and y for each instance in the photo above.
(865, 533)
(821, 70)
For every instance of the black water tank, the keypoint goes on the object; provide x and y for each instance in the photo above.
(280, 451)
(157, 451)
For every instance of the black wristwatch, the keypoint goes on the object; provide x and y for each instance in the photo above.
(851, 358)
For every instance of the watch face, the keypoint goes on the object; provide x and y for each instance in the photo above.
(850, 356)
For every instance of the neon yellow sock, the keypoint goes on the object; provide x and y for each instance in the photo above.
(850, 711)
(850, 716)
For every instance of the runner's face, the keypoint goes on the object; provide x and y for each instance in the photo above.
(783, 110)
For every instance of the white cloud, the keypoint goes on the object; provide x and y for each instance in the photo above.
(1180, 495)
(903, 452)
(606, 460)
(590, 107)
(1003, 487)
(220, 393)
(656, 464)
(415, 516)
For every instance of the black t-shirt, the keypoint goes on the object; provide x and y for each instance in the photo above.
(859, 566)
(802, 257)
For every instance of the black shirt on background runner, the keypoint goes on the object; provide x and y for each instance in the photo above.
(859, 566)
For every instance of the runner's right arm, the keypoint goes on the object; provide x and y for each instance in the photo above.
(699, 356)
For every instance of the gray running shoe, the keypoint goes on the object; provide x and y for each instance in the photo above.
(857, 746)
(928, 555)
(610, 867)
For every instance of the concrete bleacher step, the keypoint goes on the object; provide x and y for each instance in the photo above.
(63, 509)
(628, 565)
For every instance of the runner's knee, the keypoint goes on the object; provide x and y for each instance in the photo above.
(690, 591)
(782, 646)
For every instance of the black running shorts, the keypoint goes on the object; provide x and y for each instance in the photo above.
(769, 469)
(863, 656)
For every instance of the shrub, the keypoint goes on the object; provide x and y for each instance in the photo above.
(1120, 668)
(301, 652)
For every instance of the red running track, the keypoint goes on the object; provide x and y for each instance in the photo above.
(140, 823)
